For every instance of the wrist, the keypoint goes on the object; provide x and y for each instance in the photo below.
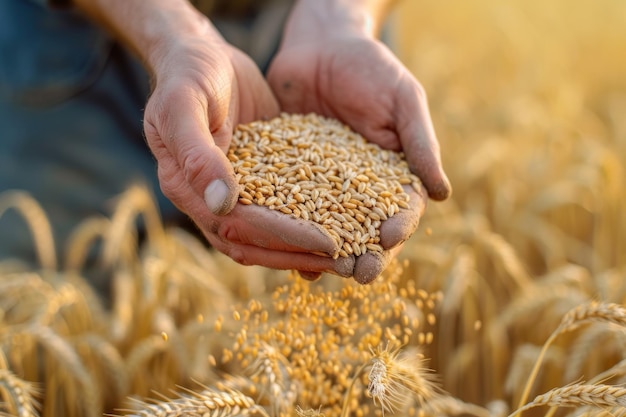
(327, 19)
(164, 53)
(149, 28)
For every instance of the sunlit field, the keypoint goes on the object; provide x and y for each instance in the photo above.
(529, 102)
(509, 299)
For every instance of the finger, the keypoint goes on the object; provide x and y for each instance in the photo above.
(403, 224)
(419, 142)
(371, 265)
(260, 226)
(254, 255)
(180, 121)
(310, 276)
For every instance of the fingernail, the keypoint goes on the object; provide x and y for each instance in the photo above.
(216, 196)
(442, 190)
(448, 187)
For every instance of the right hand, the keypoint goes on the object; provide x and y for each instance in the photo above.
(203, 88)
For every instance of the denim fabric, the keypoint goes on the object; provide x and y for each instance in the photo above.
(71, 104)
(71, 108)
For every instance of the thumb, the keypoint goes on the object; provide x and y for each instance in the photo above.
(420, 144)
(177, 124)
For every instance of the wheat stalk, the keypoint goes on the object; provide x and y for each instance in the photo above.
(451, 406)
(81, 241)
(104, 359)
(505, 257)
(593, 311)
(524, 359)
(602, 339)
(136, 200)
(152, 356)
(38, 223)
(68, 363)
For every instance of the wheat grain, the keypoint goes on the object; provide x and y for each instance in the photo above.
(308, 165)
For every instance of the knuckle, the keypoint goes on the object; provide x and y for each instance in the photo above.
(228, 232)
(170, 184)
(238, 255)
(193, 165)
(420, 91)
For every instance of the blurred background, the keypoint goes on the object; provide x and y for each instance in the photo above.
(528, 100)
(529, 103)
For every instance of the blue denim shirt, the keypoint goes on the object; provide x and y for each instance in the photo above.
(46, 54)
(71, 108)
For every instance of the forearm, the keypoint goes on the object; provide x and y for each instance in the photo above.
(148, 27)
(319, 18)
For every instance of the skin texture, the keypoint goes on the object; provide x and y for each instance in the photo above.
(203, 87)
(342, 71)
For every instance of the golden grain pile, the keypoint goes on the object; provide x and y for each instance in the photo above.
(508, 301)
(317, 169)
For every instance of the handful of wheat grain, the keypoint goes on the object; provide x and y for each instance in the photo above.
(315, 168)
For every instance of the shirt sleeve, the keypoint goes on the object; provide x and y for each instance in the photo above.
(57, 4)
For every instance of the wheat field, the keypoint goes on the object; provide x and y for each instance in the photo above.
(509, 300)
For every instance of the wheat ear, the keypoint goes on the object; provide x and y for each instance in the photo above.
(271, 368)
(81, 241)
(37, 221)
(579, 394)
(616, 370)
(136, 200)
(98, 352)
(593, 311)
(18, 394)
(67, 359)
(345, 409)
(207, 403)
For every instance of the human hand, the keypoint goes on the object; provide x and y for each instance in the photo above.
(393, 233)
(355, 78)
(204, 87)
(359, 81)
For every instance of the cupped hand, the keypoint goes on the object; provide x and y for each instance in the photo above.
(359, 81)
(393, 233)
(203, 88)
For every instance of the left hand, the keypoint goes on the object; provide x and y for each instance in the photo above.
(359, 81)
